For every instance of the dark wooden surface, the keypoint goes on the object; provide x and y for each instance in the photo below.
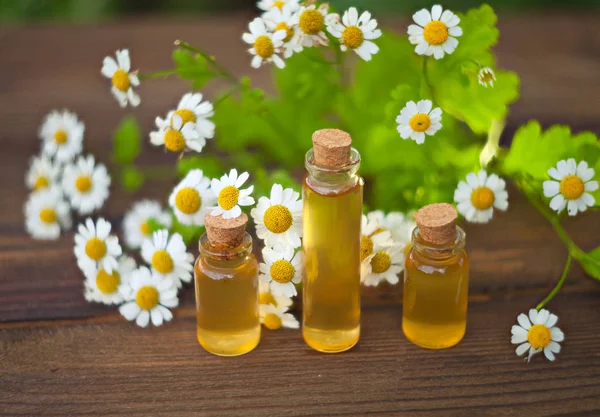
(62, 356)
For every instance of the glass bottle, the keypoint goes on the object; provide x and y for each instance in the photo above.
(436, 280)
(333, 195)
(226, 281)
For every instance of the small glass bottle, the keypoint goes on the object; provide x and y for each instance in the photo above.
(333, 196)
(226, 280)
(436, 280)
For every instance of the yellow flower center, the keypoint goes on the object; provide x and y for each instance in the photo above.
(147, 297)
(48, 215)
(539, 336)
(120, 80)
(264, 47)
(366, 247)
(83, 183)
(420, 122)
(228, 197)
(162, 261)
(60, 137)
(174, 140)
(352, 37)
(288, 30)
(41, 182)
(435, 32)
(188, 200)
(186, 116)
(108, 283)
(282, 271)
(572, 187)
(278, 4)
(272, 321)
(278, 219)
(486, 76)
(95, 249)
(311, 22)
(482, 198)
(145, 228)
(380, 262)
(266, 298)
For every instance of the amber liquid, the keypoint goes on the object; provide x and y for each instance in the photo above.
(228, 322)
(331, 284)
(435, 299)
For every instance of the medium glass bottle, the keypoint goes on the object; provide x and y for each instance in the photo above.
(333, 195)
(436, 280)
(226, 280)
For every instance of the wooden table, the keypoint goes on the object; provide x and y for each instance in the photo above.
(62, 356)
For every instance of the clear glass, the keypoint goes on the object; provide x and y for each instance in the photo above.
(436, 286)
(331, 244)
(227, 315)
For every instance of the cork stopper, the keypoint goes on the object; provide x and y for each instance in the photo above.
(437, 223)
(331, 148)
(225, 233)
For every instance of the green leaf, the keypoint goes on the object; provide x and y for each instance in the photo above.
(126, 141)
(155, 225)
(190, 234)
(591, 262)
(192, 67)
(211, 166)
(131, 178)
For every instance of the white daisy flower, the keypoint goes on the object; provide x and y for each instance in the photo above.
(46, 213)
(486, 77)
(283, 19)
(86, 184)
(42, 173)
(265, 296)
(312, 22)
(135, 222)
(192, 198)
(148, 297)
(122, 80)
(399, 225)
(176, 136)
(268, 5)
(384, 265)
(96, 247)
(283, 269)
(417, 120)
(478, 197)
(274, 318)
(373, 238)
(62, 135)
(356, 33)
(229, 195)
(168, 257)
(265, 45)
(279, 219)
(537, 335)
(572, 186)
(103, 287)
(436, 32)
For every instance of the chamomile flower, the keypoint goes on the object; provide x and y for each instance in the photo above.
(121, 78)
(283, 269)
(148, 297)
(434, 33)
(86, 184)
(102, 287)
(62, 135)
(192, 198)
(265, 296)
(311, 22)
(537, 333)
(42, 173)
(177, 136)
(480, 195)
(283, 19)
(268, 5)
(570, 186)
(96, 247)
(278, 219)
(265, 45)
(418, 119)
(274, 318)
(384, 265)
(356, 33)
(486, 77)
(399, 225)
(229, 195)
(46, 213)
(373, 238)
(135, 222)
(168, 257)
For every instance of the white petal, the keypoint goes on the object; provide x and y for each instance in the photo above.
(551, 188)
(558, 203)
(422, 17)
(143, 318)
(557, 334)
(522, 349)
(436, 12)
(524, 321)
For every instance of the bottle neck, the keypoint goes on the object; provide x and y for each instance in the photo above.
(438, 252)
(332, 178)
(225, 257)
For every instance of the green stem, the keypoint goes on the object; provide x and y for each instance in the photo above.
(158, 74)
(222, 71)
(226, 95)
(558, 286)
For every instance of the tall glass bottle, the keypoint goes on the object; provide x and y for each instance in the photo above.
(226, 280)
(333, 195)
(436, 280)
